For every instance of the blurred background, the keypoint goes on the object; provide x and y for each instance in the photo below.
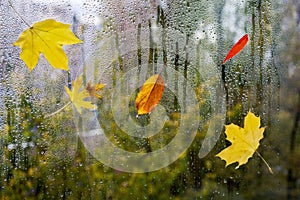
(45, 158)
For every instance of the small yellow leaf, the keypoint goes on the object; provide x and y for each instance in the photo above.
(77, 97)
(46, 37)
(150, 94)
(94, 89)
(244, 141)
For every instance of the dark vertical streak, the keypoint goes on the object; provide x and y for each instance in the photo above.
(10, 124)
(198, 56)
(274, 66)
(163, 24)
(253, 35)
(176, 64)
(162, 21)
(252, 54)
(69, 79)
(259, 83)
(219, 31)
(114, 74)
(273, 79)
(186, 62)
(158, 14)
(155, 58)
(150, 58)
(276, 71)
(120, 59)
(291, 176)
(148, 145)
(197, 62)
(139, 49)
(185, 70)
(220, 50)
(223, 74)
(260, 92)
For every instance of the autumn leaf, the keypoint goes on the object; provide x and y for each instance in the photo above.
(77, 97)
(94, 89)
(150, 94)
(236, 48)
(244, 141)
(46, 37)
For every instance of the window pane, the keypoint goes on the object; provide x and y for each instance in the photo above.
(134, 104)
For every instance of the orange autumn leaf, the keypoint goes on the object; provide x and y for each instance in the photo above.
(150, 94)
(236, 48)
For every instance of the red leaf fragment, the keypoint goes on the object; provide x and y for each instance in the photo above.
(236, 48)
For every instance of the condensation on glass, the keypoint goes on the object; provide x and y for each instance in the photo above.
(111, 153)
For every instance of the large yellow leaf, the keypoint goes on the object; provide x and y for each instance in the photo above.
(77, 97)
(46, 37)
(244, 141)
(150, 94)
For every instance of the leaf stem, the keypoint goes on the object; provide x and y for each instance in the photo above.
(10, 4)
(59, 110)
(269, 168)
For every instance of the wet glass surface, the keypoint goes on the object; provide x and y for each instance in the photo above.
(48, 150)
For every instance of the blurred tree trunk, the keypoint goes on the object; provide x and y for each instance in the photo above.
(292, 168)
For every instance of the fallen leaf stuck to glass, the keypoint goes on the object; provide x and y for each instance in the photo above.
(236, 48)
(46, 37)
(244, 141)
(150, 94)
(77, 97)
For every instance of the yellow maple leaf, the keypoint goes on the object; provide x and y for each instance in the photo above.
(244, 141)
(77, 97)
(46, 37)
